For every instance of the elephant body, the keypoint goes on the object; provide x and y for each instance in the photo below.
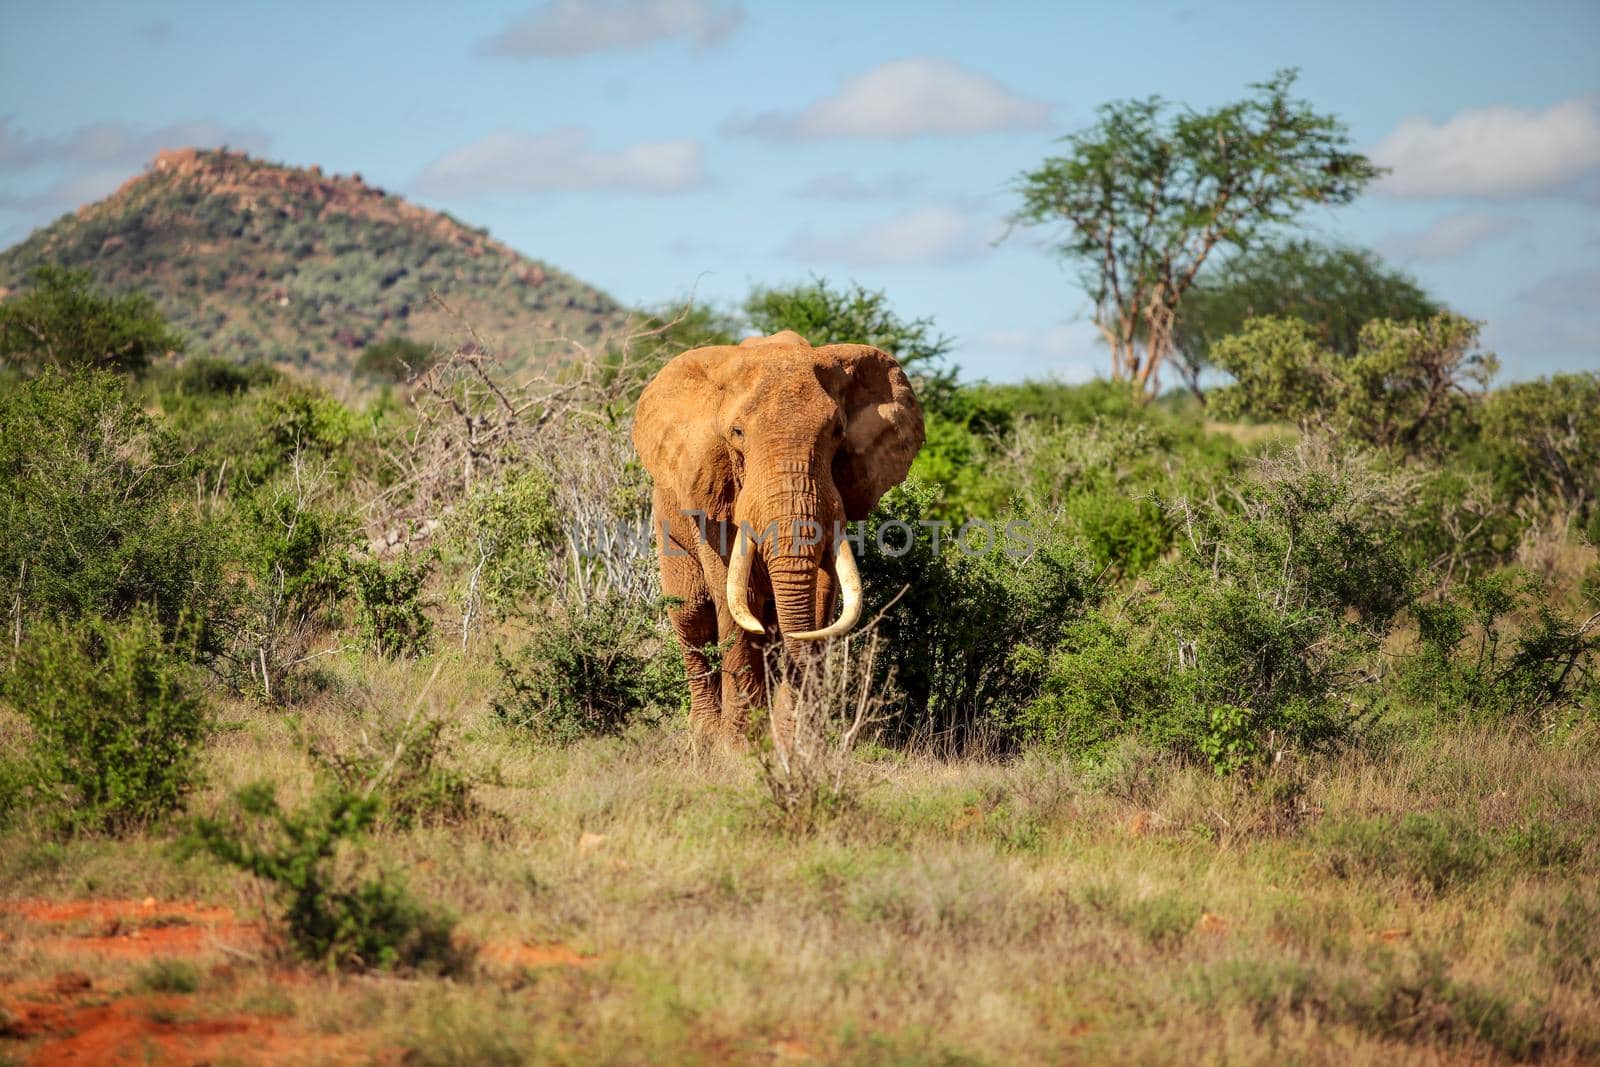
(760, 453)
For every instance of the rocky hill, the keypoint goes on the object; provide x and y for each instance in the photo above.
(254, 260)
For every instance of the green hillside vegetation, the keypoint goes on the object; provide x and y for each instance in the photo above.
(253, 260)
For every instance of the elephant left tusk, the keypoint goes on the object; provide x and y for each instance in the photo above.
(850, 592)
(738, 587)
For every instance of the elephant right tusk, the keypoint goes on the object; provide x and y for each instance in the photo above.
(850, 594)
(739, 584)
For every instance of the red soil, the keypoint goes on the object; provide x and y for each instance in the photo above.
(72, 1019)
(138, 929)
(516, 954)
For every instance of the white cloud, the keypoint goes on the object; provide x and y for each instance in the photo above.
(113, 144)
(508, 162)
(1493, 151)
(843, 185)
(578, 27)
(933, 235)
(905, 98)
(1450, 236)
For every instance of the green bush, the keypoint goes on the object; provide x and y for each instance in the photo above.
(969, 631)
(97, 513)
(589, 670)
(396, 359)
(390, 614)
(1410, 386)
(1545, 439)
(1473, 661)
(402, 764)
(117, 724)
(856, 315)
(62, 323)
(1432, 852)
(506, 532)
(332, 915)
(1255, 637)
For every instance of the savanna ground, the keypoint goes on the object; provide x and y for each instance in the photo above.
(631, 903)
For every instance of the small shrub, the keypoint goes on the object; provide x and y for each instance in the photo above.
(331, 915)
(97, 513)
(117, 725)
(505, 530)
(826, 708)
(401, 764)
(1473, 662)
(1431, 852)
(389, 608)
(590, 670)
(168, 976)
(396, 359)
(968, 629)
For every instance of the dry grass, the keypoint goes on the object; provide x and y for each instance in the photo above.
(959, 912)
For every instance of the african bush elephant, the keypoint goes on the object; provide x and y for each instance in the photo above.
(760, 453)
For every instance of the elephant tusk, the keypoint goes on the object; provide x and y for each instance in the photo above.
(739, 584)
(849, 589)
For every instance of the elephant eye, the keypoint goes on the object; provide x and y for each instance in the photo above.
(738, 432)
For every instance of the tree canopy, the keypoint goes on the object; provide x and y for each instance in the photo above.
(825, 315)
(64, 322)
(1141, 199)
(1335, 290)
(1407, 385)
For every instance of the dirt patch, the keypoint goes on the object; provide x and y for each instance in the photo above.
(74, 1019)
(138, 929)
(159, 1029)
(148, 911)
(551, 954)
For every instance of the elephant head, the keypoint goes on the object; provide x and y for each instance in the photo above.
(785, 442)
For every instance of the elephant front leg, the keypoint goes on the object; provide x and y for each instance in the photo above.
(694, 620)
(744, 683)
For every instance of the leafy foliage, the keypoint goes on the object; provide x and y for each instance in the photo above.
(1472, 662)
(1142, 198)
(331, 916)
(1545, 435)
(389, 608)
(590, 670)
(117, 722)
(856, 315)
(96, 516)
(63, 323)
(1334, 290)
(395, 359)
(969, 629)
(1254, 637)
(401, 763)
(1409, 385)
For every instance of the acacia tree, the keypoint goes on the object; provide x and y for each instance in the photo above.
(1144, 196)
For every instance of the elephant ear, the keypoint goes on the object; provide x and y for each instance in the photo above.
(675, 431)
(883, 428)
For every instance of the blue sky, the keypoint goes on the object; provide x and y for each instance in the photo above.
(661, 147)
